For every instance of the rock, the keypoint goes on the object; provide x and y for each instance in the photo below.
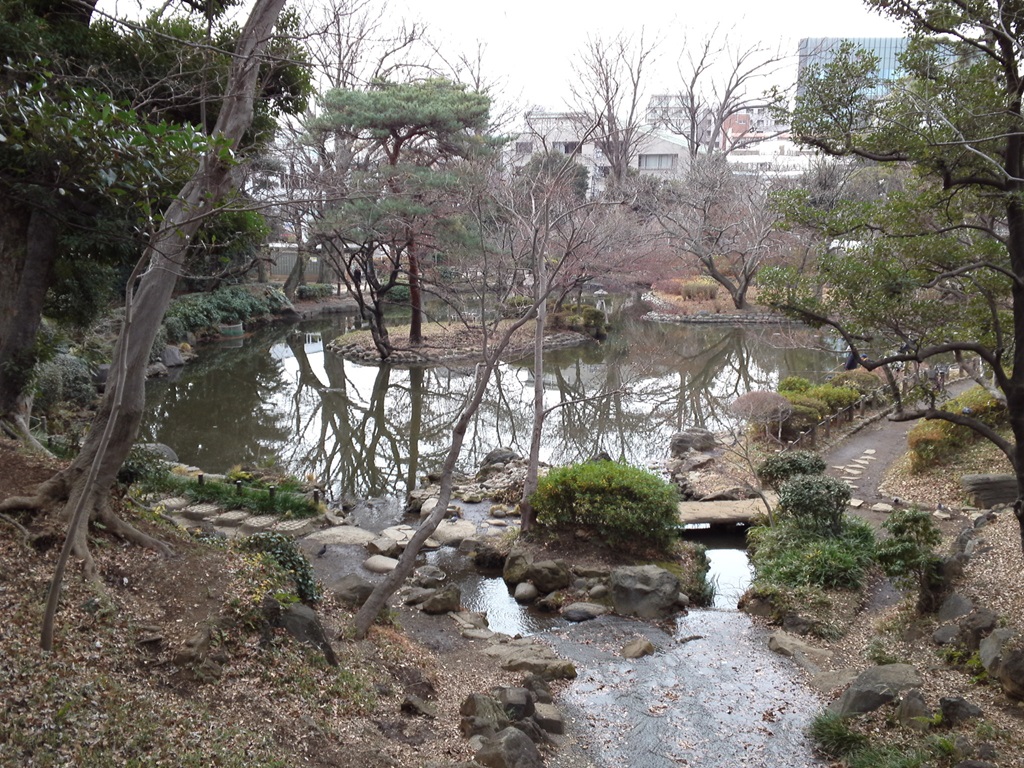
(517, 702)
(380, 564)
(1010, 672)
(526, 592)
(500, 456)
(445, 600)
(989, 490)
(874, 687)
(991, 648)
(427, 507)
(414, 705)
(340, 535)
(548, 575)
(482, 714)
(646, 591)
(806, 655)
(417, 595)
(532, 730)
(165, 452)
(975, 764)
(352, 589)
(976, 626)
(156, 370)
(957, 710)
(796, 624)
(516, 565)
(947, 634)
(912, 712)
(827, 682)
(953, 607)
(509, 748)
(637, 648)
(451, 533)
(551, 603)
(301, 622)
(470, 619)
(486, 556)
(428, 577)
(690, 439)
(172, 357)
(577, 612)
(549, 718)
(539, 688)
(735, 493)
(530, 656)
(383, 545)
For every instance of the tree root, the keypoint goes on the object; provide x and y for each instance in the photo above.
(26, 536)
(130, 533)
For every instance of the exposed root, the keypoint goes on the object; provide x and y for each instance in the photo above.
(48, 496)
(23, 504)
(25, 535)
(130, 533)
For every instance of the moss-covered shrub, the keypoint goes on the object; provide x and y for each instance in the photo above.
(314, 291)
(282, 552)
(936, 441)
(836, 398)
(398, 294)
(794, 384)
(864, 382)
(198, 312)
(817, 502)
(63, 378)
(623, 505)
(778, 469)
(800, 419)
(820, 407)
(793, 553)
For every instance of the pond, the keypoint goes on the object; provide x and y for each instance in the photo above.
(369, 431)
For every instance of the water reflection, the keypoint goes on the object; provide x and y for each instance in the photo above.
(369, 431)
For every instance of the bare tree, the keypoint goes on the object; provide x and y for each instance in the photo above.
(719, 83)
(720, 223)
(607, 98)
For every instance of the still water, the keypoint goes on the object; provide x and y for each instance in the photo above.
(369, 431)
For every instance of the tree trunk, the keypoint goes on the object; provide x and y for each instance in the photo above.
(527, 514)
(89, 478)
(297, 276)
(28, 250)
(415, 296)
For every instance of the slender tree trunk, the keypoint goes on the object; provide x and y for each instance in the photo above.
(527, 514)
(415, 295)
(105, 449)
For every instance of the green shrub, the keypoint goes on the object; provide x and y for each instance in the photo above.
(63, 378)
(865, 382)
(197, 312)
(398, 294)
(836, 398)
(314, 291)
(791, 554)
(819, 407)
(801, 419)
(816, 502)
(935, 441)
(623, 505)
(781, 467)
(283, 552)
(907, 554)
(834, 737)
(142, 465)
(794, 384)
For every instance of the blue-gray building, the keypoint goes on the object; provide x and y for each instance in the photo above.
(815, 51)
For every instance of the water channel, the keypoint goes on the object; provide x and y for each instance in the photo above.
(713, 695)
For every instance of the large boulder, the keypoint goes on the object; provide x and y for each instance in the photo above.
(446, 600)
(875, 687)
(516, 565)
(690, 439)
(352, 589)
(510, 748)
(1010, 672)
(527, 655)
(991, 648)
(646, 591)
(301, 622)
(548, 575)
(499, 456)
(482, 715)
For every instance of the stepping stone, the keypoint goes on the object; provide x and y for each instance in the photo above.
(881, 507)
(341, 535)
(854, 471)
(174, 503)
(232, 518)
(294, 528)
(257, 524)
(201, 511)
(380, 564)
(840, 467)
(861, 462)
(869, 451)
(868, 458)
(497, 523)
(856, 503)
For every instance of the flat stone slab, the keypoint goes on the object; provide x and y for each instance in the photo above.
(232, 518)
(257, 524)
(881, 507)
(856, 503)
(869, 451)
(174, 503)
(856, 472)
(741, 511)
(451, 534)
(380, 564)
(342, 534)
(201, 511)
(294, 528)
(400, 533)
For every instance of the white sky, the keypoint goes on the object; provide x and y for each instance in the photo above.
(529, 44)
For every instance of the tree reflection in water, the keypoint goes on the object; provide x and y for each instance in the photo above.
(369, 431)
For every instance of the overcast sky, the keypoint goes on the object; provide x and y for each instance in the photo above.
(529, 44)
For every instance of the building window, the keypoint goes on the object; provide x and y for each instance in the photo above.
(524, 147)
(657, 162)
(566, 147)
